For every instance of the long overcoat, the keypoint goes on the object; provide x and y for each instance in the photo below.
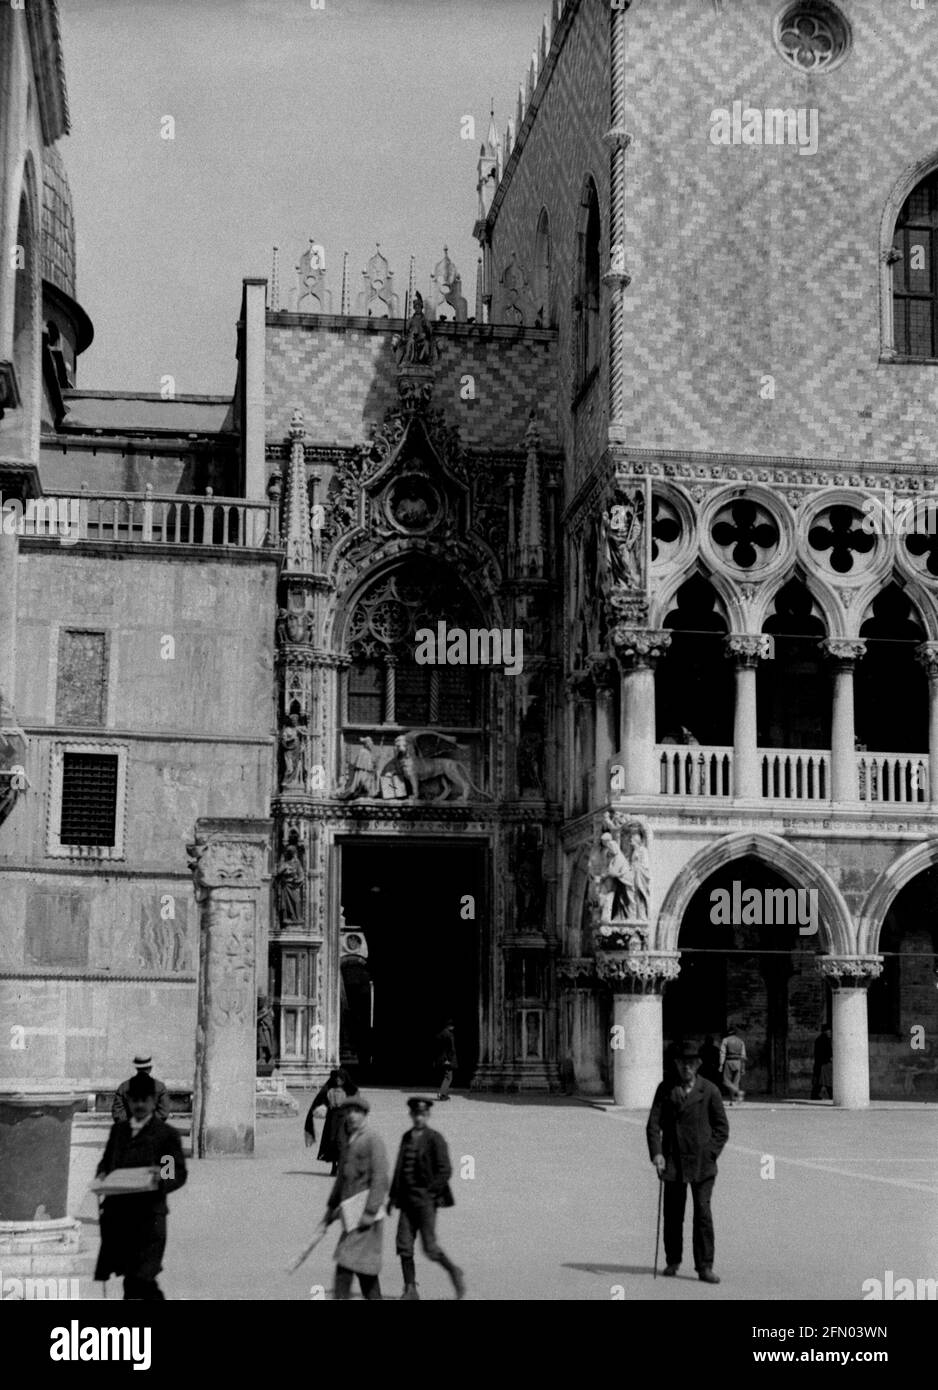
(133, 1225)
(689, 1130)
(363, 1165)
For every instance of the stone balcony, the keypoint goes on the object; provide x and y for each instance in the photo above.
(792, 775)
(169, 520)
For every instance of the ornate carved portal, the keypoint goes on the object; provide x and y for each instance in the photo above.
(415, 743)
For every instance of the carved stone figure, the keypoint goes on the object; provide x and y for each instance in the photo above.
(361, 778)
(613, 880)
(396, 774)
(293, 754)
(621, 878)
(622, 536)
(416, 348)
(290, 626)
(640, 866)
(291, 886)
(426, 756)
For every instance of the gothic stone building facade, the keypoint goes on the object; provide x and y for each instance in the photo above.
(665, 461)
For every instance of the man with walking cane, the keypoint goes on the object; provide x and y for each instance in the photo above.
(686, 1131)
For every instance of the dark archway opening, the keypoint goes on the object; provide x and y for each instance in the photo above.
(793, 689)
(903, 1001)
(890, 687)
(759, 975)
(422, 965)
(694, 682)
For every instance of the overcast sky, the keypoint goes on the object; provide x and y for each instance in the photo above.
(290, 122)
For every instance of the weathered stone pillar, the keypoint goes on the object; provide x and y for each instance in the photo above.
(580, 1003)
(638, 651)
(604, 673)
(844, 653)
(927, 654)
(745, 650)
(849, 977)
(637, 979)
(8, 571)
(230, 872)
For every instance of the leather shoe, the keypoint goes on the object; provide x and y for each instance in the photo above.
(669, 1271)
(707, 1276)
(410, 1294)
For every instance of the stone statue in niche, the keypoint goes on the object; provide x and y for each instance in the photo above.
(415, 349)
(291, 626)
(621, 882)
(291, 887)
(361, 778)
(292, 754)
(623, 531)
(529, 884)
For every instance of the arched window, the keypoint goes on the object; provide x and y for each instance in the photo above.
(914, 284)
(588, 286)
(543, 306)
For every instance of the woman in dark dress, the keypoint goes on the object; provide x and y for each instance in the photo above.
(332, 1096)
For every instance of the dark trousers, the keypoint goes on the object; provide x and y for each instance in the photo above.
(675, 1197)
(370, 1287)
(447, 1079)
(420, 1217)
(146, 1290)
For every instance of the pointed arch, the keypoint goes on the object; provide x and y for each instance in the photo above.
(912, 176)
(836, 928)
(887, 888)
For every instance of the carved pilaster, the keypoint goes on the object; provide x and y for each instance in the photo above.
(850, 972)
(228, 861)
(637, 972)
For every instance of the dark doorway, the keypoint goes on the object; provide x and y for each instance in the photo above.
(422, 964)
(760, 977)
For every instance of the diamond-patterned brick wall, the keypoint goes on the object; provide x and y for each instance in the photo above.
(563, 147)
(747, 261)
(752, 260)
(343, 378)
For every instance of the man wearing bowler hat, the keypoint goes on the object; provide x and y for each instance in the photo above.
(420, 1185)
(120, 1110)
(687, 1130)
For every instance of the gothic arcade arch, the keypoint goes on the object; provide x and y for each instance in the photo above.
(835, 928)
(887, 888)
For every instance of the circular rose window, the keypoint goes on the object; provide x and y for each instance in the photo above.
(812, 35)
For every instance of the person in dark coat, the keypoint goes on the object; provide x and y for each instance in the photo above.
(363, 1168)
(686, 1131)
(446, 1058)
(420, 1185)
(120, 1110)
(133, 1225)
(823, 1076)
(266, 1037)
(334, 1131)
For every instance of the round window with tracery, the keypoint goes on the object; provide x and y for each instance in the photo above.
(812, 35)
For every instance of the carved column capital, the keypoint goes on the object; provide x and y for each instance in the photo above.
(576, 972)
(850, 972)
(746, 648)
(637, 972)
(234, 862)
(927, 654)
(639, 647)
(845, 652)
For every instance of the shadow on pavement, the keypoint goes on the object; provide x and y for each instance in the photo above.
(610, 1269)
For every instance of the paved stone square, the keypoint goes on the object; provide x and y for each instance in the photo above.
(562, 1205)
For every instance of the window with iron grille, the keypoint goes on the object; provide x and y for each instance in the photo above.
(914, 285)
(89, 799)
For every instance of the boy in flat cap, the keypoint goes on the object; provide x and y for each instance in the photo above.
(363, 1167)
(687, 1130)
(420, 1185)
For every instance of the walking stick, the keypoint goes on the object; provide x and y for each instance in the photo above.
(658, 1227)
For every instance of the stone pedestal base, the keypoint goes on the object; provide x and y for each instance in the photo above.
(272, 1100)
(39, 1247)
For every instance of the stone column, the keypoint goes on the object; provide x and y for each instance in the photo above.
(849, 977)
(927, 654)
(636, 979)
(229, 869)
(604, 672)
(638, 651)
(745, 650)
(9, 544)
(844, 653)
